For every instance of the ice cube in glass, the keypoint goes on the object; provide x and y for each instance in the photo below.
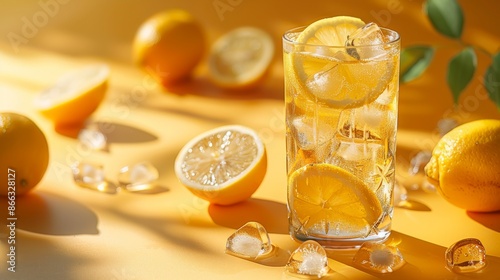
(466, 255)
(251, 241)
(368, 35)
(379, 257)
(308, 259)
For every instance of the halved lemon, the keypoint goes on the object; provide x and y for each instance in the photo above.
(329, 74)
(329, 200)
(241, 58)
(75, 96)
(224, 165)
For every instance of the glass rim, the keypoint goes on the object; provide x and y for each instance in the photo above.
(395, 39)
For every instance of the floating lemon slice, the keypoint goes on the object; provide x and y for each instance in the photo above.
(75, 96)
(224, 166)
(329, 200)
(241, 58)
(332, 76)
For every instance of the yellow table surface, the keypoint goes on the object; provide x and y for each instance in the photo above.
(66, 232)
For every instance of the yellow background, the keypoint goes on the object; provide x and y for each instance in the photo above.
(65, 232)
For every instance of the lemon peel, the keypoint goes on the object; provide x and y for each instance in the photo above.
(464, 166)
(75, 96)
(25, 153)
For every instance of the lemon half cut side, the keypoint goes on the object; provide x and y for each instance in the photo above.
(75, 96)
(224, 165)
(241, 58)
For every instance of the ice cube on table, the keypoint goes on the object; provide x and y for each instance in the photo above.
(251, 241)
(92, 139)
(418, 162)
(308, 259)
(379, 257)
(91, 176)
(138, 176)
(368, 35)
(466, 255)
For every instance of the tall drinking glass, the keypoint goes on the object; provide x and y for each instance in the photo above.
(341, 120)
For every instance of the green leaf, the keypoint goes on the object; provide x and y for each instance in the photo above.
(446, 16)
(492, 80)
(461, 69)
(414, 61)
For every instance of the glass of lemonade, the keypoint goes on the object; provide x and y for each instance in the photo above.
(341, 95)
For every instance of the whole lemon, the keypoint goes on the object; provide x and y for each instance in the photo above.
(169, 45)
(24, 154)
(465, 166)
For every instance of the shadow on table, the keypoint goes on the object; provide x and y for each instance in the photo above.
(424, 260)
(272, 215)
(39, 257)
(114, 132)
(46, 213)
(269, 89)
(489, 220)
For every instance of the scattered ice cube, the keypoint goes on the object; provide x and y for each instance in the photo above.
(418, 162)
(91, 176)
(251, 241)
(92, 139)
(446, 125)
(466, 255)
(379, 257)
(369, 41)
(138, 176)
(308, 259)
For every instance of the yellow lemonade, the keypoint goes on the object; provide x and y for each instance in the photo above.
(341, 95)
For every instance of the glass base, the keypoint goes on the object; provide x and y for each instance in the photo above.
(330, 242)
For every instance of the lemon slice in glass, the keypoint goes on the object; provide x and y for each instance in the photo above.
(329, 200)
(75, 96)
(241, 58)
(224, 166)
(327, 73)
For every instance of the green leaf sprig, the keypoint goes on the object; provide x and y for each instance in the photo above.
(447, 17)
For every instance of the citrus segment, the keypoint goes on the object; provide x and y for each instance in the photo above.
(75, 96)
(329, 200)
(24, 154)
(240, 58)
(224, 166)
